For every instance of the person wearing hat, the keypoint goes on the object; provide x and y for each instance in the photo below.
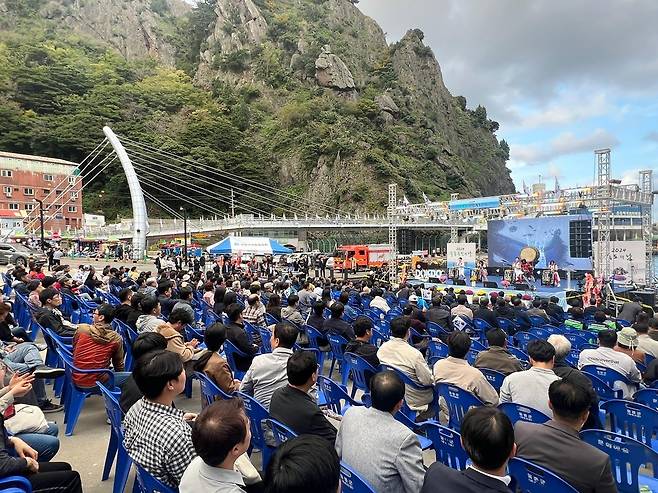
(627, 343)
(606, 356)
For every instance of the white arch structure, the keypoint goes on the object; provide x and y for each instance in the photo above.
(140, 217)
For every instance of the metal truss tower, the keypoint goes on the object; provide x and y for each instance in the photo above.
(393, 233)
(454, 230)
(646, 186)
(603, 215)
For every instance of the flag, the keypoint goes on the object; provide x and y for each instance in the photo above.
(405, 200)
(525, 188)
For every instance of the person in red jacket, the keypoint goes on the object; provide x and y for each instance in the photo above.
(95, 346)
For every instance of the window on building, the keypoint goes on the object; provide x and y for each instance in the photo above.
(7, 190)
(6, 173)
(68, 221)
(72, 180)
(28, 191)
(74, 195)
(73, 208)
(48, 178)
(58, 192)
(29, 206)
(13, 207)
(46, 191)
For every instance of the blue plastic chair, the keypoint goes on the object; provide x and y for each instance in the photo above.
(271, 319)
(458, 401)
(75, 397)
(124, 331)
(540, 332)
(15, 484)
(632, 419)
(531, 478)
(351, 481)
(648, 397)
(314, 338)
(608, 375)
(230, 351)
(522, 356)
(281, 432)
(518, 412)
(408, 381)
(265, 339)
(257, 415)
(115, 447)
(447, 445)
(482, 326)
(626, 457)
(602, 389)
(437, 350)
(436, 331)
(495, 378)
(149, 484)
(335, 394)
(337, 344)
(524, 338)
(471, 356)
(536, 320)
(378, 338)
(193, 333)
(209, 389)
(357, 367)
(507, 325)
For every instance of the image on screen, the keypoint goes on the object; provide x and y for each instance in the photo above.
(549, 238)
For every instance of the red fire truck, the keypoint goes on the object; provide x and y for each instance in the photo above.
(355, 257)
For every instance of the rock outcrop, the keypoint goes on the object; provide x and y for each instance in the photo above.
(331, 71)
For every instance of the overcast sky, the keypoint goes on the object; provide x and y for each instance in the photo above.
(562, 77)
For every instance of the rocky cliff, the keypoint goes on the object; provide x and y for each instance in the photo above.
(309, 91)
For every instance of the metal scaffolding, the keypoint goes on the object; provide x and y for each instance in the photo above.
(646, 186)
(603, 215)
(393, 233)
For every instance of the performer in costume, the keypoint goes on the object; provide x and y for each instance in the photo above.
(518, 271)
(589, 286)
(555, 276)
(460, 268)
(482, 271)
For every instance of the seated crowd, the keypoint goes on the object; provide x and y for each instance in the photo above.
(279, 369)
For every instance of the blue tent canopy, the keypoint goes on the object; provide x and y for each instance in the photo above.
(254, 245)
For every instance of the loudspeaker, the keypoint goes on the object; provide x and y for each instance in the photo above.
(459, 282)
(580, 239)
(522, 287)
(490, 284)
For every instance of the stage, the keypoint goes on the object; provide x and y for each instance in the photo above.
(542, 291)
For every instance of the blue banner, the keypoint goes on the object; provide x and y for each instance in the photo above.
(476, 203)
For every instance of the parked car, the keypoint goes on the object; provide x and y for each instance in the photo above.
(20, 255)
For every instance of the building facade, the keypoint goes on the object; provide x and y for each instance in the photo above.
(25, 180)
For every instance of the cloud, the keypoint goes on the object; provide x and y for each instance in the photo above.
(651, 136)
(507, 52)
(564, 144)
(566, 110)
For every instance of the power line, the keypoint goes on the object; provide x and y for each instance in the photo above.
(166, 208)
(240, 183)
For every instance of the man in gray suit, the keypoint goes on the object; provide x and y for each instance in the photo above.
(556, 445)
(380, 449)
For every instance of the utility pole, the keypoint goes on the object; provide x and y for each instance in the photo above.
(232, 204)
(43, 241)
(185, 234)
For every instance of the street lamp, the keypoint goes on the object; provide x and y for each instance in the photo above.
(185, 234)
(43, 241)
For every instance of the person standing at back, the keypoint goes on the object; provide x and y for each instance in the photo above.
(394, 461)
(630, 310)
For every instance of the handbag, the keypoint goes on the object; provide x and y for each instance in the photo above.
(28, 419)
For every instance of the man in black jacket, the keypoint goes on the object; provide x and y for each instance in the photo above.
(361, 345)
(124, 311)
(488, 438)
(554, 310)
(439, 313)
(336, 325)
(485, 314)
(50, 317)
(522, 318)
(294, 407)
(237, 334)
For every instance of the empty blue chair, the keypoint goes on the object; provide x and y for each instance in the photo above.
(447, 445)
(257, 415)
(536, 320)
(540, 332)
(210, 392)
(435, 330)
(495, 378)
(518, 412)
(335, 394)
(266, 339)
(281, 432)
(230, 351)
(482, 326)
(626, 457)
(577, 340)
(478, 346)
(531, 478)
(271, 319)
(315, 337)
(337, 344)
(522, 356)
(360, 370)
(458, 402)
(648, 397)
(15, 484)
(632, 419)
(75, 397)
(115, 447)
(149, 484)
(351, 481)
(378, 338)
(524, 338)
(437, 350)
